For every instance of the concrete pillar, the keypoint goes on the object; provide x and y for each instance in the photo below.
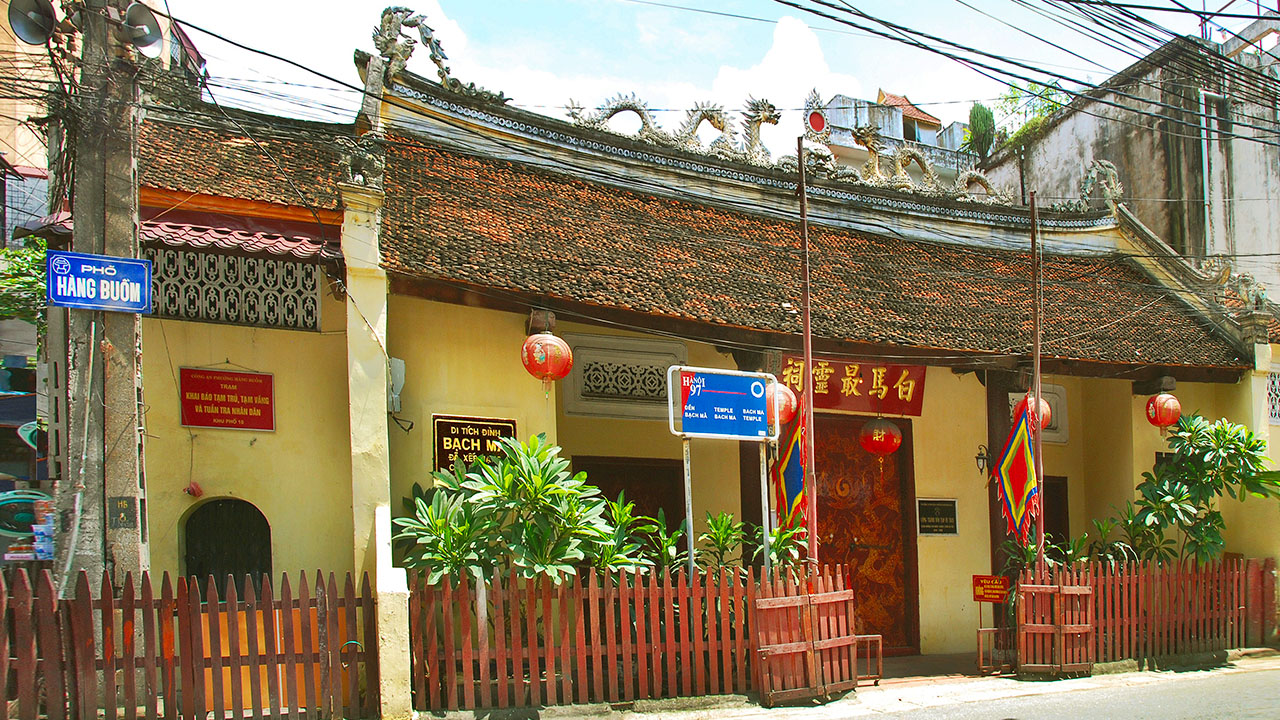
(367, 370)
(1250, 523)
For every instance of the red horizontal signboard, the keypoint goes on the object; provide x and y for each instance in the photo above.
(226, 399)
(990, 588)
(868, 387)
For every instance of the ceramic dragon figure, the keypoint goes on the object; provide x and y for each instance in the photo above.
(687, 135)
(902, 159)
(1100, 175)
(396, 46)
(599, 118)
(756, 113)
(390, 39)
(684, 138)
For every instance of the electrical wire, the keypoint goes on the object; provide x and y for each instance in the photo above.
(1091, 92)
(224, 112)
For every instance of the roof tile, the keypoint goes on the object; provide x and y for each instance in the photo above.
(198, 237)
(908, 108)
(215, 159)
(497, 224)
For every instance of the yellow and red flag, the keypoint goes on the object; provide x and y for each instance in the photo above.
(1015, 475)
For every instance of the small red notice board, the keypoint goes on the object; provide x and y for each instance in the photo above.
(990, 588)
(227, 399)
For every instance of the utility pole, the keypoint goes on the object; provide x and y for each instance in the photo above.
(811, 492)
(101, 498)
(1037, 301)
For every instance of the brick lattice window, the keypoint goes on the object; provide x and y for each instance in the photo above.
(237, 290)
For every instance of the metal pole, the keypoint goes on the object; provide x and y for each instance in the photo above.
(688, 504)
(1036, 431)
(764, 503)
(811, 493)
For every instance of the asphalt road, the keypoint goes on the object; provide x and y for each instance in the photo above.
(1194, 695)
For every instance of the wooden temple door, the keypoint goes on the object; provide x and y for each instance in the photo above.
(866, 522)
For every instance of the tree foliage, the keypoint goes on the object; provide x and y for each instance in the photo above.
(1176, 515)
(521, 511)
(1024, 108)
(524, 511)
(22, 292)
(981, 133)
(1209, 461)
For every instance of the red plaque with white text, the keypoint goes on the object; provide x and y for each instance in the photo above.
(868, 387)
(227, 399)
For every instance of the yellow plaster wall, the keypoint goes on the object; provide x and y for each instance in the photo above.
(1121, 445)
(946, 436)
(298, 476)
(1068, 459)
(1253, 524)
(459, 360)
(715, 463)
(1107, 429)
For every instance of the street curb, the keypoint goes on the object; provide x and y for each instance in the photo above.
(1185, 661)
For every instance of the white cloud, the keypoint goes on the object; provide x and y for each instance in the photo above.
(792, 65)
(537, 70)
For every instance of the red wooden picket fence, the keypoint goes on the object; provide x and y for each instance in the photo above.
(611, 637)
(809, 643)
(1144, 612)
(178, 650)
(1055, 630)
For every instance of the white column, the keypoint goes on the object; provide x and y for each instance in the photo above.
(367, 371)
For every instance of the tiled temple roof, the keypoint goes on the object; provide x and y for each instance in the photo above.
(496, 224)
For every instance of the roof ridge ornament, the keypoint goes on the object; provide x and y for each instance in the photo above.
(1101, 175)
(888, 171)
(725, 146)
(396, 47)
(1218, 274)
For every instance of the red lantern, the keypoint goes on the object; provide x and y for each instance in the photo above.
(1163, 410)
(1046, 411)
(546, 357)
(880, 438)
(782, 402)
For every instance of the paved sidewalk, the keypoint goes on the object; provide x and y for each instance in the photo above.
(913, 693)
(902, 690)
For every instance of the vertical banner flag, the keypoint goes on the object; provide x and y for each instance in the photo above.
(789, 471)
(1015, 476)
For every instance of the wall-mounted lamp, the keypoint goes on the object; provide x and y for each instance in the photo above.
(983, 458)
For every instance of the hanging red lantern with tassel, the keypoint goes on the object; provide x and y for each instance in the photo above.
(547, 358)
(880, 438)
(1163, 410)
(782, 404)
(1045, 414)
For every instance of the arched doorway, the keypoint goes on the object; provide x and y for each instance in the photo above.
(227, 537)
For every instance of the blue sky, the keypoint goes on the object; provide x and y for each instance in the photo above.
(542, 53)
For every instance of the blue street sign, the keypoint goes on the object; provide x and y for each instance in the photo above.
(722, 404)
(98, 282)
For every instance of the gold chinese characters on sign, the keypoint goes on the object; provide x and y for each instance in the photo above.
(859, 386)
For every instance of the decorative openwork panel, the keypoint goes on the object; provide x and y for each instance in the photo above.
(238, 290)
(642, 382)
(623, 377)
(1273, 397)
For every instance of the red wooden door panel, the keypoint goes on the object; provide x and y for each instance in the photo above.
(866, 523)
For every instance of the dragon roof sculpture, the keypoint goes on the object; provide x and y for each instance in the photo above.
(882, 170)
(396, 47)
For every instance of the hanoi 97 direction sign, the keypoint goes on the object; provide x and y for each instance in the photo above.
(98, 282)
(716, 403)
